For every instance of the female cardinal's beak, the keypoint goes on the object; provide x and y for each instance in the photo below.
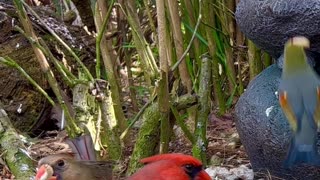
(45, 172)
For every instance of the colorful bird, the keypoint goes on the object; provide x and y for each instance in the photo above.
(299, 95)
(171, 167)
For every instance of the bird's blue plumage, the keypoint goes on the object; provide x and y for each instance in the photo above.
(301, 96)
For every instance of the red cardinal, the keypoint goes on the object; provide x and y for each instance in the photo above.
(171, 167)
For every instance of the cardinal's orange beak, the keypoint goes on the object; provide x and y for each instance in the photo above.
(203, 175)
(45, 172)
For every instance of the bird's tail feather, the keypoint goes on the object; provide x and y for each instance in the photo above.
(82, 147)
(302, 154)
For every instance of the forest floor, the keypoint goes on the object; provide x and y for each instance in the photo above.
(227, 157)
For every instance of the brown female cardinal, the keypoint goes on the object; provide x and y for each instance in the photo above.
(171, 167)
(66, 167)
(81, 165)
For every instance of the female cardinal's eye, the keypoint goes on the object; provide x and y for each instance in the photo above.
(60, 163)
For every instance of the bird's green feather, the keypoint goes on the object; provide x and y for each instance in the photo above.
(295, 59)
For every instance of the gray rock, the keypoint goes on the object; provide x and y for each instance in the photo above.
(263, 129)
(269, 23)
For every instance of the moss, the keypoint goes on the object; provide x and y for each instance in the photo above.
(148, 137)
(14, 155)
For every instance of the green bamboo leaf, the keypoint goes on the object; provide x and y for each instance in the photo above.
(197, 34)
(20, 8)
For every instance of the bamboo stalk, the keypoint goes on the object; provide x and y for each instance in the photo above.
(240, 57)
(162, 89)
(230, 21)
(209, 18)
(267, 59)
(109, 137)
(148, 62)
(178, 41)
(151, 22)
(195, 51)
(254, 57)
(108, 62)
(199, 147)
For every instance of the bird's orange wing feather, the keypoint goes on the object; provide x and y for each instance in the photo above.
(287, 110)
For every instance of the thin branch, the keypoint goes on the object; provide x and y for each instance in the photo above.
(11, 63)
(191, 40)
(87, 72)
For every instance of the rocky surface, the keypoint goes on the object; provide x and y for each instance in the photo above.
(269, 23)
(263, 129)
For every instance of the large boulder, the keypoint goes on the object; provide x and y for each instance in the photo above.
(269, 23)
(263, 129)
